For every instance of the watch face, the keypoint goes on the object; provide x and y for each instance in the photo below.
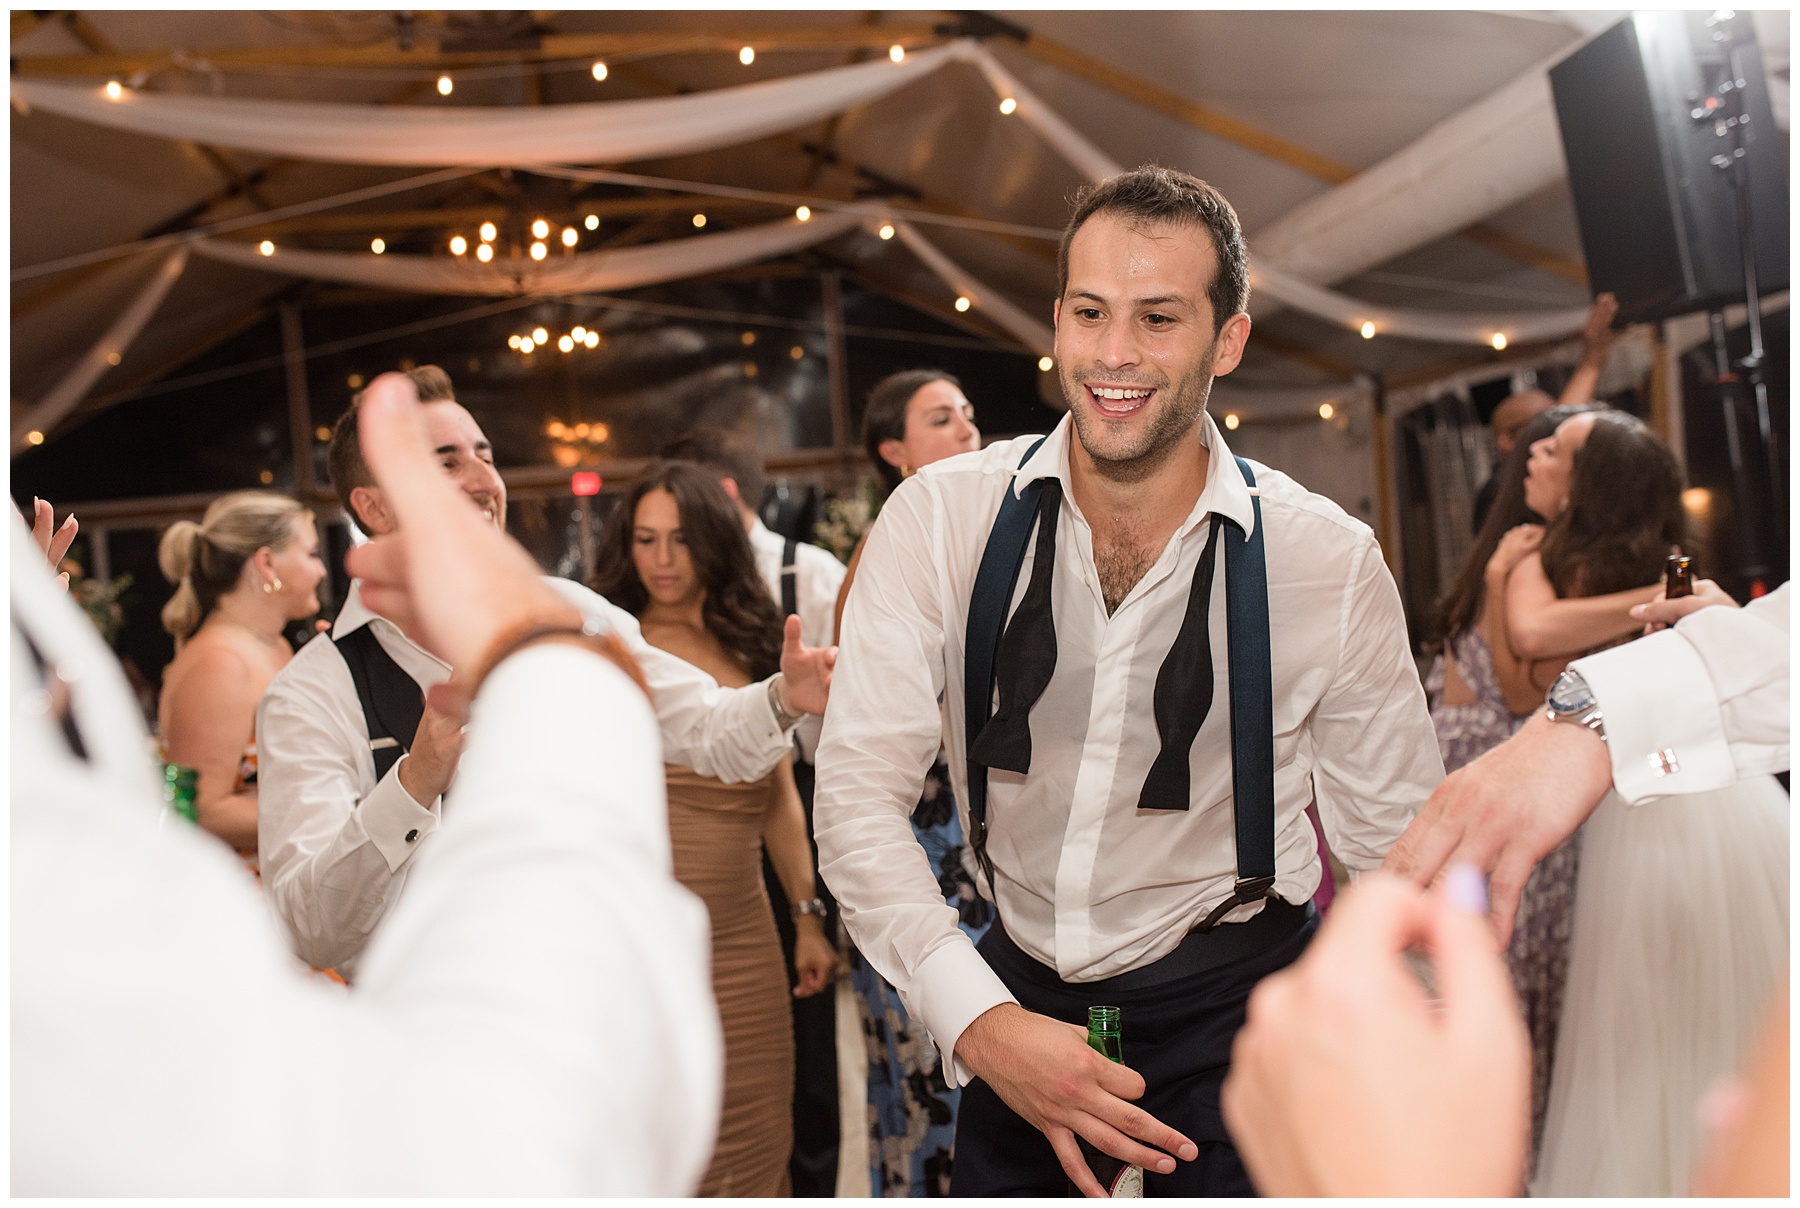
(1570, 694)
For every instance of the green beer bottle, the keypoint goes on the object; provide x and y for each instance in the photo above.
(1120, 1180)
(180, 785)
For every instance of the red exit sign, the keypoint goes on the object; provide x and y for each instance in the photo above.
(584, 482)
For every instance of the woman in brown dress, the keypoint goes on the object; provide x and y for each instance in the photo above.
(675, 555)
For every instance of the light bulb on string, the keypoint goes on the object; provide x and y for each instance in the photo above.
(886, 231)
(962, 304)
(1231, 421)
(599, 70)
(488, 232)
(569, 236)
(445, 85)
(539, 251)
(1008, 105)
(747, 56)
(897, 53)
(1326, 411)
(803, 213)
(592, 339)
(699, 221)
(540, 229)
(1499, 341)
(591, 222)
(565, 344)
(1045, 364)
(539, 335)
(485, 252)
(378, 245)
(578, 333)
(458, 245)
(114, 90)
(266, 247)
(1368, 330)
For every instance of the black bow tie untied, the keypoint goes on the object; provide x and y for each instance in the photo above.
(1027, 660)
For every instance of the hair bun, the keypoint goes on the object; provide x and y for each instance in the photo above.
(179, 550)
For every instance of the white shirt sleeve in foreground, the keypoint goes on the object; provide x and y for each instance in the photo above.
(534, 1018)
(1697, 706)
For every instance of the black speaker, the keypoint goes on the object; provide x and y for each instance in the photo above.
(1643, 119)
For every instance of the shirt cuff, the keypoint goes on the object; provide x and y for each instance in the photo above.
(394, 822)
(1664, 731)
(950, 989)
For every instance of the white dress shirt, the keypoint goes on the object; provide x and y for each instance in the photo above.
(537, 1017)
(817, 577)
(1087, 884)
(1699, 705)
(336, 844)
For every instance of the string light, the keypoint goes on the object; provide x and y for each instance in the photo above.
(803, 213)
(699, 220)
(592, 339)
(34, 437)
(1045, 364)
(539, 251)
(378, 245)
(747, 339)
(886, 231)
(1008, 105)
(570, 235)
(962, 304)
(897, 53)
(1499, 341)
(526, 346)
(539, 335)
(445, 85)
(1232, 421)
(458, 245)
(114, 90)
(266, 477)
(322, 433)
(578, 334)
(599, 70)
(485, 252)
(591, 222)
(354, 381)
(540, 229)
(513, 341)
(266, 248)
(747, 56)
(112, 358)
(565, 344)
(796, 352)
(488, 232)
(1368, 330)
(1326, 411)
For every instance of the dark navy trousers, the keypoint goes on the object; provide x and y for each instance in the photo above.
(1178, 1035)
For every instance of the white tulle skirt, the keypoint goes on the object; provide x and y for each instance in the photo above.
(1680, 932)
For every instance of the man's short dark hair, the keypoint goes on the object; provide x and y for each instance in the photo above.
(725, 454)
(343, 457)
(884, 417)
(1155, 194)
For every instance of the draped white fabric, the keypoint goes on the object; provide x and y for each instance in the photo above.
(1033, 333)
(1447, 326)
(63, 397)
(417, 135)
(621, 268)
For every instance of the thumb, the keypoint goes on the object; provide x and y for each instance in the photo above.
(1471, 977)
(397, 449)
(790, 635)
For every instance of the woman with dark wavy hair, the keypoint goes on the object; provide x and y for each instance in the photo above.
(675, 556)
(1678, 927)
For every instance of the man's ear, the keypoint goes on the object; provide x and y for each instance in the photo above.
(372, 514)
(731, 489)
(1230, 345)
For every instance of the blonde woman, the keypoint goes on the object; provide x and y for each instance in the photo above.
(247, 569)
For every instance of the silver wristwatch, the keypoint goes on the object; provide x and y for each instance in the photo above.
(1571, 700)
(810, 906)
(783, 719)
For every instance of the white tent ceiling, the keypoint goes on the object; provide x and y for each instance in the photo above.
(1276, 108)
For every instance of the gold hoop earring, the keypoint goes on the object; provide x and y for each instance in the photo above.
(271, 586)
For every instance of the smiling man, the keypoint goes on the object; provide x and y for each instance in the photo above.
(1194, 648)
(353, 763)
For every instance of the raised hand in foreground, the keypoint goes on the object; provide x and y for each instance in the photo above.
(453, 582)
(1349, 1079)
(53, 541)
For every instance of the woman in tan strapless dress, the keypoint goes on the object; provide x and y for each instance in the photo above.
(676, 556)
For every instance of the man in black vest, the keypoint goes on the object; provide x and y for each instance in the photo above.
(352, 765)
(1150, 657)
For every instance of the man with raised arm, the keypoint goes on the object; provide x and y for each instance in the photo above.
(1184, 649)
(353, 763)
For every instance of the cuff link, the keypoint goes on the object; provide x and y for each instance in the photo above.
(1664, 762)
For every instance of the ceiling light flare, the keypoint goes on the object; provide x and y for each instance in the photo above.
(569, 236)
(803, 213)
(266, 248)
(488, 232)
(540, 229)
(699, 220)
(747, 56)
(1499, 341)
(527, 345)
(578, 333)
(378, 245)
(897, 53)
(796, 352)
(1008, 105)
(1232, 421)
(1368, 330)
(1326, 411)
(565, 344)
(599, 70)
(540, 335)
(1045, 364)
(513, 341)
(485, 252)
(591, 222)
(886, 231)
(592, 339)
(445, 85)
(458, 245)
(539, 251)
(34, 437)
(962, 304)
(114, 90)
